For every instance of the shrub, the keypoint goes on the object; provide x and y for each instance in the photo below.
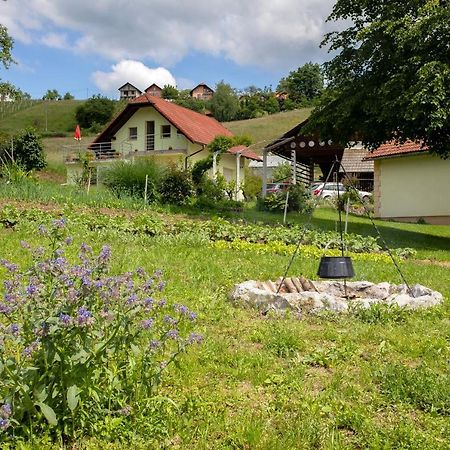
(28, 151)
(210, 189)
(128, 178)
(97, 109)
(252, 185)
(80, 347)
(298, 201)
(176, 186)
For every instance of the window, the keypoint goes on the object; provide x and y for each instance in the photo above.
(133, 134)
(165, 131)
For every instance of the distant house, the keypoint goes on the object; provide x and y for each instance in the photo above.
(354, 165)
(154, 90)
(150, 126)
(202, 91)
(410, 183)
(128, 92)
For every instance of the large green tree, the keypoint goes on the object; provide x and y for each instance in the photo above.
(390, 78)
(96, 110)
(304, 84)
(225, 103)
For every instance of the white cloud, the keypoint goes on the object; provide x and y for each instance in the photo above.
(55, 40)
(135, 72)
(268, 33)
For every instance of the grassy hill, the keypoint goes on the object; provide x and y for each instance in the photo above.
(265, 129)
(51, 117)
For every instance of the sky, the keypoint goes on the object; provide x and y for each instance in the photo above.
(88, 47)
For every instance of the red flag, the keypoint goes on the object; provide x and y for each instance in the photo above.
(77, 134)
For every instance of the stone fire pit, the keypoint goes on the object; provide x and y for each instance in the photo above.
(304, 296)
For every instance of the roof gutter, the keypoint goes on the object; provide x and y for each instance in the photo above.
(192, 154)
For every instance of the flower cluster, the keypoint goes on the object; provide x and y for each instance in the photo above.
(64, 320)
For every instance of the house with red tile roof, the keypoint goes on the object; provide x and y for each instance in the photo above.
(202, 91)
(150, 126)
(155, 90)
(410, 183)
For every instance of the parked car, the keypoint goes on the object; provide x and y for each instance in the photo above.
(330, 190)
(273, 188)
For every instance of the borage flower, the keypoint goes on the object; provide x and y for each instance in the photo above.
(84, 317)
(5, 411)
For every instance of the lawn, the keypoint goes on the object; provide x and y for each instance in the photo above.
(371, 381)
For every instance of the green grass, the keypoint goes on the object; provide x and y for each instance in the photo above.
(265, 129)
(283, 383)
(54, 116)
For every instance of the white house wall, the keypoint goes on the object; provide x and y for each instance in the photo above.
(138, 120)
(413, 187)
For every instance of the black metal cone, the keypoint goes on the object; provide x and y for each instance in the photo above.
(336, 267)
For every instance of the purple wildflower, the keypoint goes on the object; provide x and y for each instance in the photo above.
(28, 351)
(65, 319)
(148, 303)
(25, 244)
(5, 309)
(195, 338)
(4, 424)
(68, 240)
(181, 309)
(59, 223)
(84, 317)
(148, 284)
(158, 273)
(59, 263)
(161, 286)
(154, 344)
(14, 329)
(162, 303)
(31, 290)
(172, 334)
(141, 272)
(132, 299)
(146, 324)
(84, 248)
(170, 319)
(11, 267)
(192, 316)
(42, 229)
(5, 411)
(105, 254)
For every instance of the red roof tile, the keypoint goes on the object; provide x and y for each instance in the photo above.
(245, 153)
(392, 148)
(195, 126)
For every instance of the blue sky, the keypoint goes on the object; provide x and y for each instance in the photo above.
(87, 47)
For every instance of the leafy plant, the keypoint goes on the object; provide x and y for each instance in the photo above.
(28, 151)
(79, 346)
(176, 186)
(381, 313)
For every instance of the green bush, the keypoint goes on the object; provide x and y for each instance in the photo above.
(28, 151)
(176, 186)
(97, 109)
(128, 178)
(298, 201)
(210, 189)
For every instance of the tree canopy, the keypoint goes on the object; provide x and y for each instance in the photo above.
(96, 110)
(6, 45)
(225, 103)
(390, 79)
(304, 84)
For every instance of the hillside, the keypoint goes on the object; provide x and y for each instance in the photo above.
(53, 117)
(265, 129)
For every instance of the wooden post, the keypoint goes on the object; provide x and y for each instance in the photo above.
(214, 167)
(264, 174)
(238, 174)
(286, 207)
(145, 189)
(89, 181)
(294, 166)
